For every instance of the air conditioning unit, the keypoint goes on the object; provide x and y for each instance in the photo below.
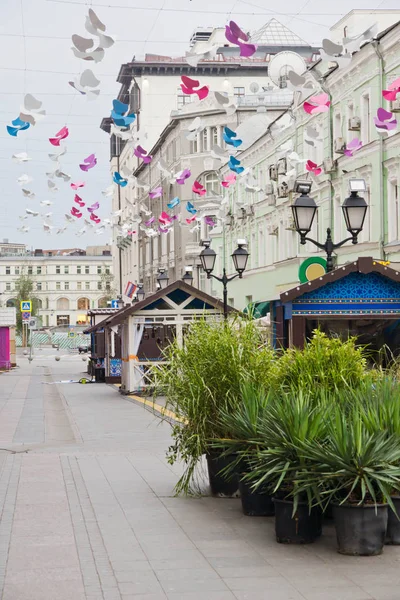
(283, 191)
(340, 145)
(354, 124)
(395, 106)
(282, 166)
(329, 165)
(273, 173)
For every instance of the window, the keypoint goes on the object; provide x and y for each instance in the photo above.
(58, 285)
(183, 99)
(194, 147)
(66, 285)
(204, 139)
(83, 304)
(108, 286)
(338, 125)
(38, 270)
(39, 286)
(62, 319)
(17, 270)
(365, 119)
(58, 269)
(79, 285)
(99, 286)
(8, 287)
(78, 270)
(62, 304)
(87, 269)
(30, 270)
(8, 270)
(107, 270)
(211, 182)
(238, 92)
(98, 269)
(214, 136)
(393, 210)
(87, 285)
(66, 270)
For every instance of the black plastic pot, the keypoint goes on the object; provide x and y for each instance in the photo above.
(393, 526)
(220, 485)
(255, 504)
(360, 530)
(302, 528)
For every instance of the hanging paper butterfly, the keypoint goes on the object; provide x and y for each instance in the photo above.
(199, 189)
(317, 104)
(88, 163)
(189, 84)
(312, 167)
(174, 202)
(119, 180)
(190, 208)
(228, 136)
(229, 180)
(384, 120)
(391, 93)
(353, 147)
(182, 176)
(156, 193)
(142, 154)
(61, 135)
(234, 165)
(117, 114)
(16, 126)
(234, 34)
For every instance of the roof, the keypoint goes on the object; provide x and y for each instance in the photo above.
(122, 314)
(364, 265)
(275, 33)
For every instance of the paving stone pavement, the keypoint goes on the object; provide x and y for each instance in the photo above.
(88, 511)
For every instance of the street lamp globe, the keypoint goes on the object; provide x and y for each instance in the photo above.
(304, 209)
(207, 257)
(140, 293)
(163, 279)
(188, 276)
(240, 257)
(354, 212)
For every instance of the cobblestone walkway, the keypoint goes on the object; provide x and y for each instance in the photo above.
(88, 512)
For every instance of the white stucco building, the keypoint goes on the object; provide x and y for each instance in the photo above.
(66, 283)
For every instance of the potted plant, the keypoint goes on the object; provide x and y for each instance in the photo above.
(280, 461)
(200, 379)
(357, 469)
(242, 442)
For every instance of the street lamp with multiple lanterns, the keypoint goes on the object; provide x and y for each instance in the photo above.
(354, 211)
(239, 257)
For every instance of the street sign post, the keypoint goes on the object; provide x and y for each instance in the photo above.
(32, 323)
(26, 317)
(71, 334)
(26, 306)
(114, 303)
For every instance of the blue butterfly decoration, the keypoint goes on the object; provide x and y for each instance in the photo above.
(18, 125)
(117, 114)
(233, 164)
(174, 202)
(190, 208)
(119, 180)
(228, 136)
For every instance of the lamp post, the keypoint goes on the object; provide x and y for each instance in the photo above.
(162, 279)
(354, 211)
(188, 276)
(140, 293)
(239, 257)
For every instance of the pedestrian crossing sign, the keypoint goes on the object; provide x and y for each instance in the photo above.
(26, 306)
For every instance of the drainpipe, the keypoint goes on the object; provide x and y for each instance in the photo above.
(375, 45)
(119, 221)
(330, 145)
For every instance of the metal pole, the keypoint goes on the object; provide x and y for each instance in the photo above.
(225, 301)
(30, 345)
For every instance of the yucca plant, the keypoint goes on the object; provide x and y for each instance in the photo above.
(355, 463)
(204, 377)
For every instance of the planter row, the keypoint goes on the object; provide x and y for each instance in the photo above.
(360, 530)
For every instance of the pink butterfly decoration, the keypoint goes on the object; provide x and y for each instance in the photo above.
(384, 120)
(311, 167)
(129, 232)
(95, 218)
(150, 221)
(199, 189)
(156, 193)
(185, 174)
(163, 229)
(75, 212)
(209, 221)
(142, 154)
(164, 218)
(190, 220)
(229, 180)
(61, 135)
(79, 200)
(88, 163)
(234, 34)
(353, 147)
(391, 93)
(317, 104)
(94, 207)
(77, 185)
(188, 84)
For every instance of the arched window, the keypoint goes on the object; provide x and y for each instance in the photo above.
(211, 182)
(11, 303)
(39, 303)
(102, 303)
(62, 304)
(83, 304)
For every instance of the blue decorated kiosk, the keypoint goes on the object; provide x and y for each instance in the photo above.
(361, 298)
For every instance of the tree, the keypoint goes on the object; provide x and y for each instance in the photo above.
(107, 286)
(24, 291)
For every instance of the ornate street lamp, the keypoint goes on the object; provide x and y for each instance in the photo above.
(240, 257)
(140, 293)
(162, 279)
(354, 211)
(188, 276)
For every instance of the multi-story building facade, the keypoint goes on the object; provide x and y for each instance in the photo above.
(265, 218)
(152, 90)
(65, 285)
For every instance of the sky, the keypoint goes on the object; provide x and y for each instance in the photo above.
(36, 58)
